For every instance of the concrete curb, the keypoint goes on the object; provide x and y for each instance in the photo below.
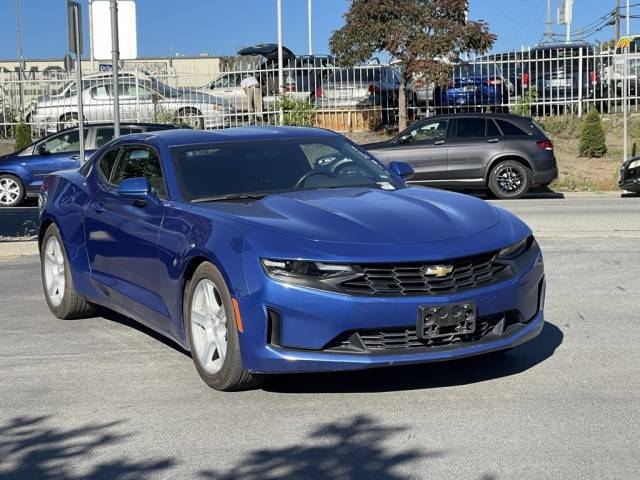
(18, 249)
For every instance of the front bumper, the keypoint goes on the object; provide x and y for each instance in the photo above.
(310, 321)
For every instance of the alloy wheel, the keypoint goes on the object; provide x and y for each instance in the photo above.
(9, 191)
(209, 326)
(510, 180)
(54, 271)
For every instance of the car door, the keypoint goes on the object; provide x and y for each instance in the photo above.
(424, 147)
(122, 234)
(57, 152)
(474, 142)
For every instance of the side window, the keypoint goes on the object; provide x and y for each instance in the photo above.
(509, 129)
(107, 162)
(105, 134)
(430, 132)
(470, 127)
(492, 129)
(64, 142)
(137, 162)
(101, 92)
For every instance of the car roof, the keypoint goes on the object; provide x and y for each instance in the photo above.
(512, 116)
(174, 138)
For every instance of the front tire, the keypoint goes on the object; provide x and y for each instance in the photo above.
(11, 191)
(62, 299)
(192, 118)
(509, 180)
(212, 332)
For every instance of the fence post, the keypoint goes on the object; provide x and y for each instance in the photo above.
(580, 81)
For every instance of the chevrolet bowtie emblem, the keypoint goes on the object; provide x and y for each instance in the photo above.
(438, 270)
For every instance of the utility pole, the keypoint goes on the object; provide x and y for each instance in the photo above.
(569, 14)
(617, 20)
(21, 66)
(548, 34)
(280, 59)
(115, 58)
(309, 26)
(628, 17)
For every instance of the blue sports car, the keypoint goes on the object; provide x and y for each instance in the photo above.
(273, 250)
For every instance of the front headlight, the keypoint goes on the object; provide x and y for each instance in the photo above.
(310, 274)
(634, 164)
(517, 249)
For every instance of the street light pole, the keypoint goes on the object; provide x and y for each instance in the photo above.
(115, 54)
(628, 17)
(309, 26)
(20, 61)
(280, 59)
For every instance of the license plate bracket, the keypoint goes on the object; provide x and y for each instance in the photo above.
(438, 321)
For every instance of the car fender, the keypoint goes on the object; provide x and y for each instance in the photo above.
(506, 155)
(18, 170)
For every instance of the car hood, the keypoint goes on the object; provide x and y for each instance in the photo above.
(366, 216)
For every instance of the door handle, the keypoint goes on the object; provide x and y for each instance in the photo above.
(493, 140)
(75, 157)
(97, 207)
(439, 142)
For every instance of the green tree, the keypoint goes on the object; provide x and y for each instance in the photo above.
(593, 142)
(426, 36)
(23, 136)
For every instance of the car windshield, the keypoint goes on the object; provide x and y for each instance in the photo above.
(229, 170)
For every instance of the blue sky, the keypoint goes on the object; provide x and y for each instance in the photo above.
(223, 26)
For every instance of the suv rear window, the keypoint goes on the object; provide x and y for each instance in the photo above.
(510, 130)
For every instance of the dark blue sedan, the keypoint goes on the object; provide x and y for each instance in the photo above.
(21, 172)
(275, 250)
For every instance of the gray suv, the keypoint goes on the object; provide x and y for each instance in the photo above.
(505, 153)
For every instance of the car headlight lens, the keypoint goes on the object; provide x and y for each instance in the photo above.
(306, 273)
(517, 249)
(634, 164)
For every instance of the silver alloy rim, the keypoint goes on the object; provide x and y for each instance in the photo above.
(209, 326)
(9, 191)
(510, 180)
(54, 279)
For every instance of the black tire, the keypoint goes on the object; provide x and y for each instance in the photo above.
(198, 119)
(72, 305)
(10, 181)
(231, 376)
(509, 180)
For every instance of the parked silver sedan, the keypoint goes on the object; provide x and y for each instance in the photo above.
(141, 99)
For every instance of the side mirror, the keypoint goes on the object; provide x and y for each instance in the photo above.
(402, 139)
(402, 170)
(42, 150)
(134, 188)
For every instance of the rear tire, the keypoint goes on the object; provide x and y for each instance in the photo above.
(210, 325)
(68, 120)
(62, 299)
(509, 180)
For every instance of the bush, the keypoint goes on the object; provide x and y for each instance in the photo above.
(523, 107)
(296, 112)
(592, 139)
(23, 136)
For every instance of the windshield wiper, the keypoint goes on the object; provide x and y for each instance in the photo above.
(232, 196)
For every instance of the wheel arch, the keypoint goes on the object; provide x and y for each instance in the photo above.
(508, 156)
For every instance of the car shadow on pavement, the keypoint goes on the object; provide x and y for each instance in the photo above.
(413, 377)
(352, 448)
(31, 448)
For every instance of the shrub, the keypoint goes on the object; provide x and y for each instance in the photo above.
(298, 113)
(592, 139)
(23, 136)
(523, 107)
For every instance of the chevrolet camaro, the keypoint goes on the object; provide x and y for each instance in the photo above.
(273, 250)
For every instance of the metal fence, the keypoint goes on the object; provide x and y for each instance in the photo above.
(547, 80)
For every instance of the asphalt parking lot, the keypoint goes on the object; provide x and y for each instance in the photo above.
(105, 398)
